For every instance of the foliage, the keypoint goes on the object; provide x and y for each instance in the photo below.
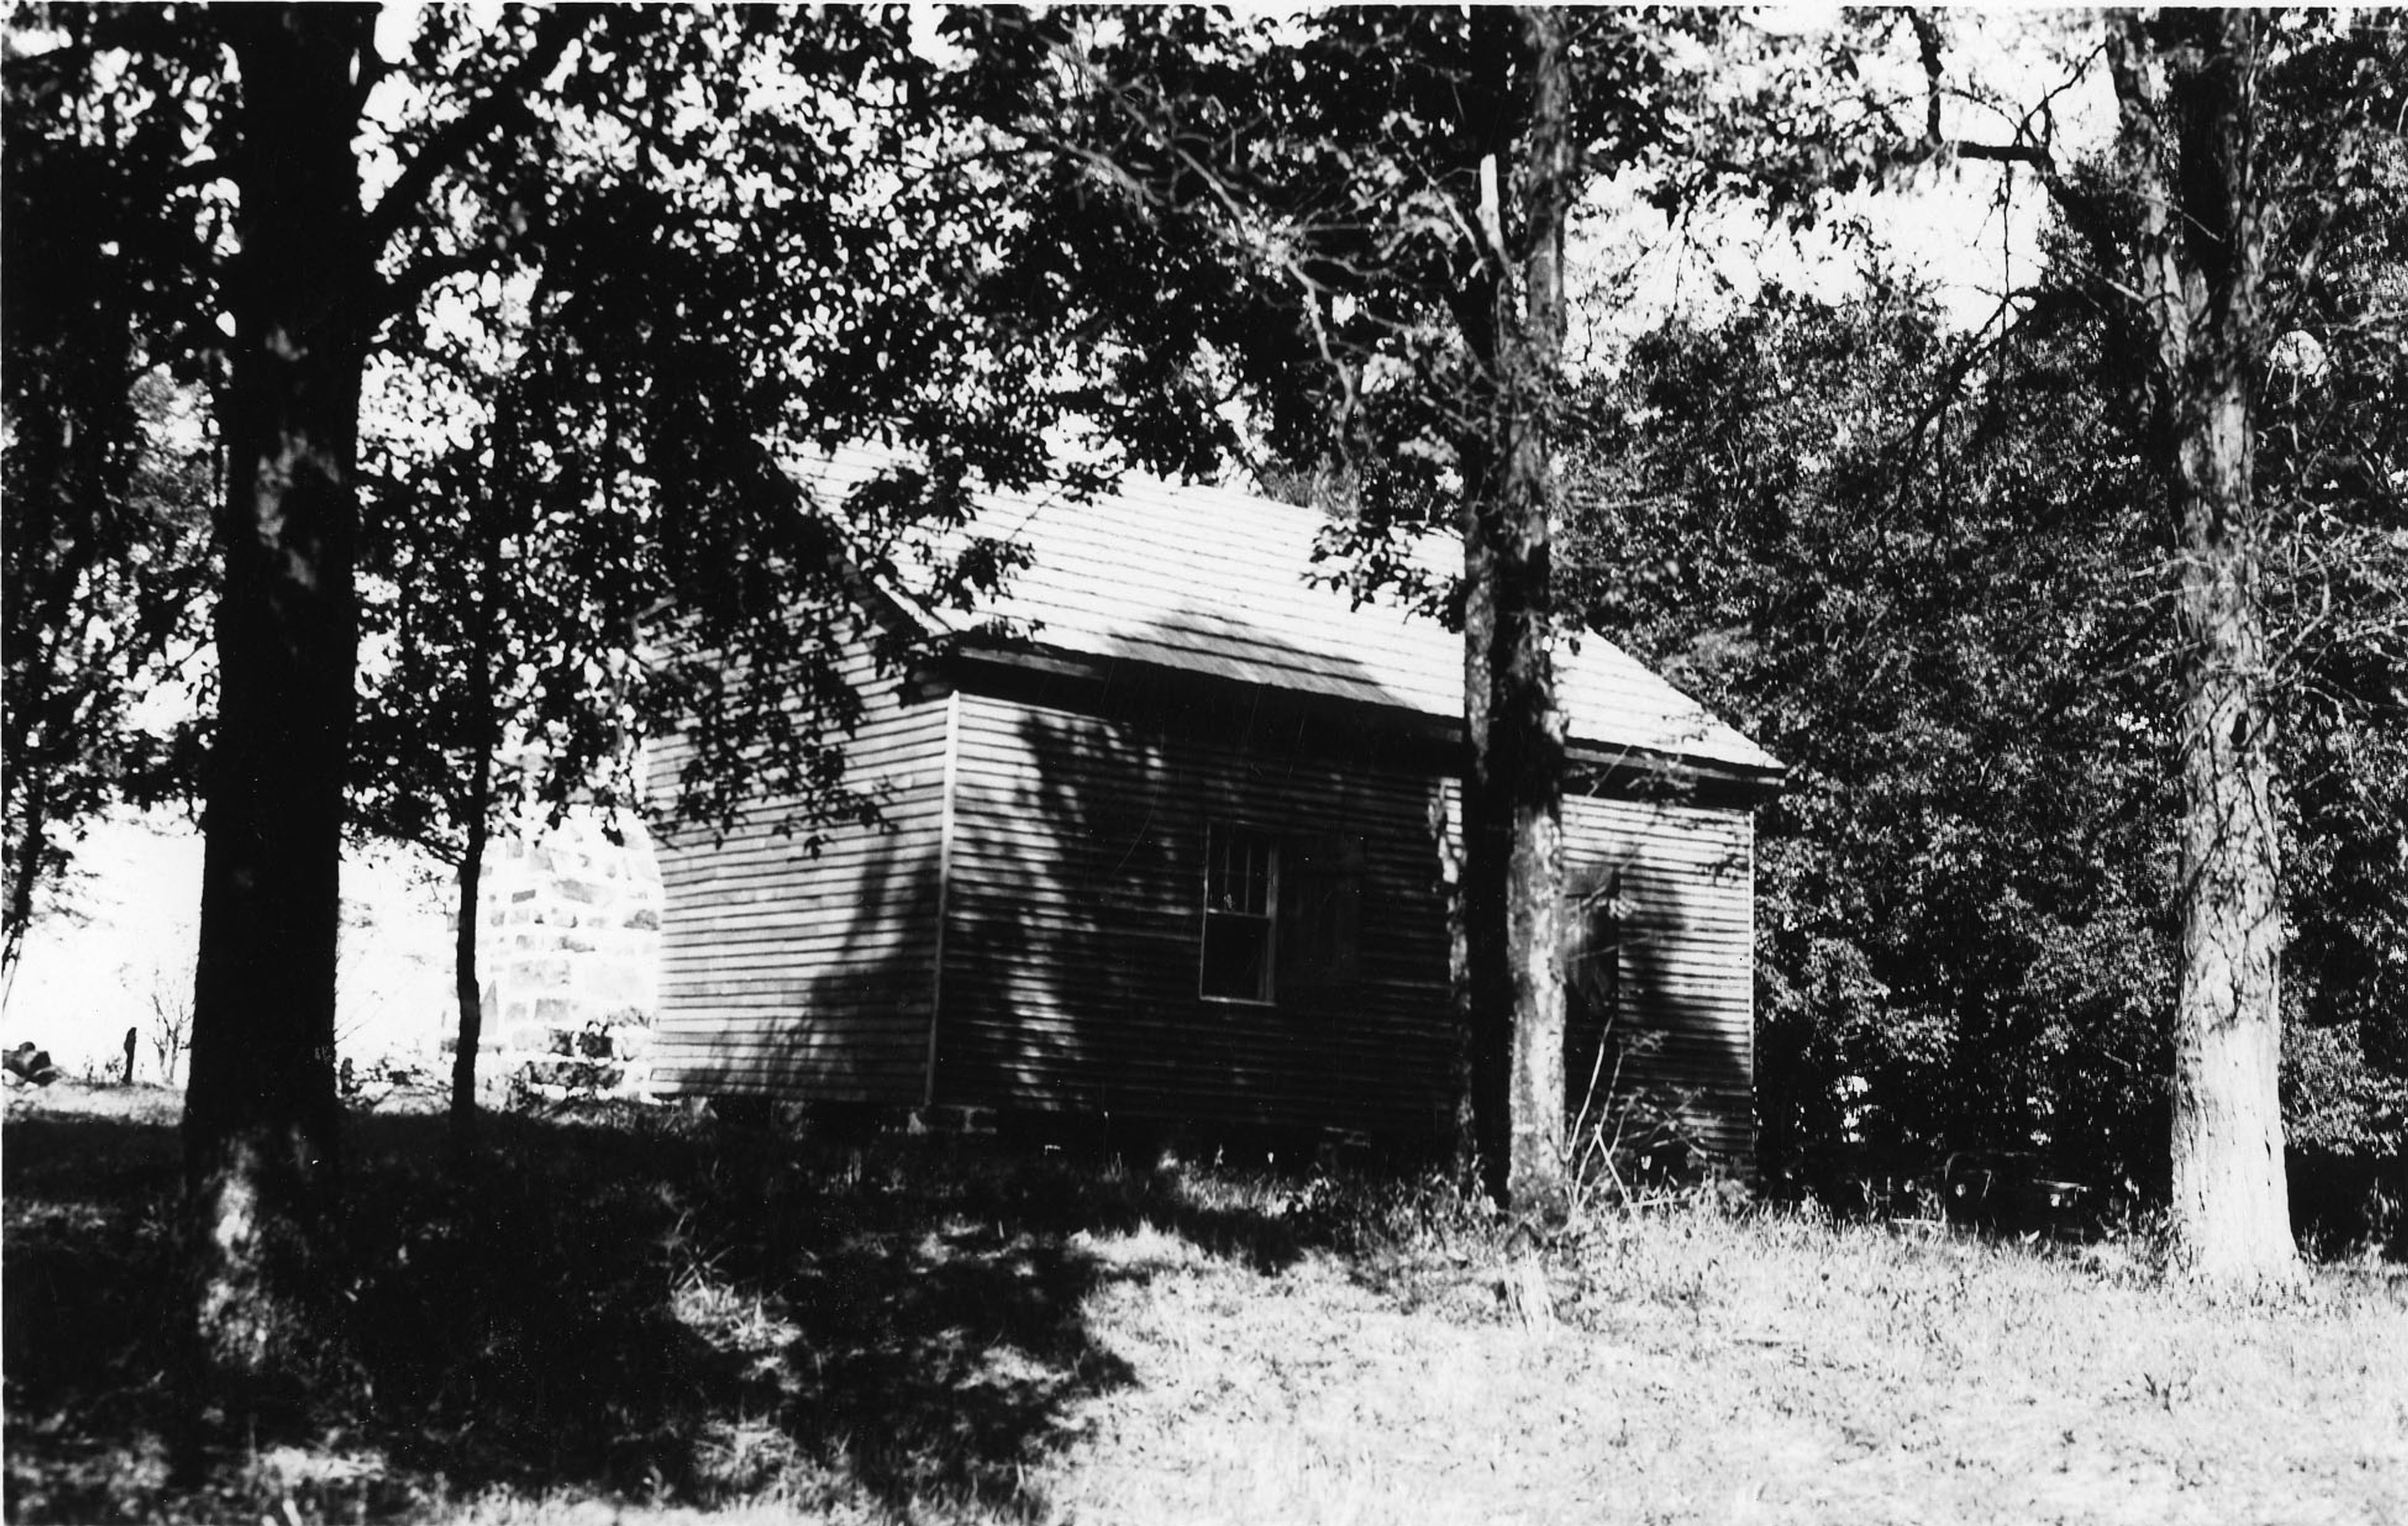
(685, 204)
(805, 269)
(2332, 465)
(807, 277)
(1921, 569)
(105, 474)
(1964, 916)
(1926, 612)
(1351, 228)
(1294, 217)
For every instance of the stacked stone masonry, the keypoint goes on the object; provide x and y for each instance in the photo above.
(569, 952)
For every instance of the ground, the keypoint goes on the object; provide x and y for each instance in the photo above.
(648, 1315)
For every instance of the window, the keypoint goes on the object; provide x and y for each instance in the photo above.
(1241, 907)
(1283, 914)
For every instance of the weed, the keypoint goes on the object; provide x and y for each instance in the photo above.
(629, 1313)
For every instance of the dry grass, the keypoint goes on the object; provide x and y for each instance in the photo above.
(639, 1317)
(1751, 1368)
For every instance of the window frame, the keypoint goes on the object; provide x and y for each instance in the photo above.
(1216, 835)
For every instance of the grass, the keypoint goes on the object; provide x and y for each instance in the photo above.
(647, 1317)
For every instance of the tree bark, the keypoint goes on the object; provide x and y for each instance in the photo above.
(464, 945)
(26, 848)
(1513, 783)
(2186, 83)
(263, 1155)
(1529, 740)
(1485, 989)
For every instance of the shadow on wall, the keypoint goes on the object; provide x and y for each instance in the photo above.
(1659, 1054)
(861, 1034)
(1077, 958)
(1062, 938)
(1073, 901)
(838, 1013)
(809, 974)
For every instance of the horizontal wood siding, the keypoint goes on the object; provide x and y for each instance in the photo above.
(1072, 921)
(809, 977)
(1075, 909)
(1659, 966)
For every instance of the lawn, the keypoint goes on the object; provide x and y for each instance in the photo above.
(651, 1316)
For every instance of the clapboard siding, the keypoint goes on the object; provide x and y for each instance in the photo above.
(811, 975)
(1024, 928)
(1072, 924)
(1660, 964)
(1074, 919)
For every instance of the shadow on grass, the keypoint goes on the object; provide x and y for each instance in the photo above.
(640, 1307)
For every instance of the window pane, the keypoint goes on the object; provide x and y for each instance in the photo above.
(1240, 896)
(1240, 875)
(1237, 957)
(1239, 879)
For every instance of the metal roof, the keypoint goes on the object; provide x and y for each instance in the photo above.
(1212, 581)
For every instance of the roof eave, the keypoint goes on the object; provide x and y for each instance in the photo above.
(1624, 769)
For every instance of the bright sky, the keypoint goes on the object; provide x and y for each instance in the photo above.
(1973, 228)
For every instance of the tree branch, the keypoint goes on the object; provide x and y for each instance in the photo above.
(452, 142)
(2033, 154)
(403, 291)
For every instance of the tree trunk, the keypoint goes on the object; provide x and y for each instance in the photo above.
(261, 1115)
(1485, 988)
(26, 853)
(1514, 782)
(464, 954)
(2186, 83)
(1527, 729)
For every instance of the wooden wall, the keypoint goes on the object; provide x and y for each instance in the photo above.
(1068, 877)
(809, 977)
(1075, 915)
(1660, 967)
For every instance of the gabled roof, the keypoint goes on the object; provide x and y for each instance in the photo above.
(1207, 580)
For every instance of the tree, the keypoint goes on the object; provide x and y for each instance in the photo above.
(2175, 229)
(625, 156)
(609, 469)
(2188, 84)
(1355, 223)
(105, 484)
(2233, 127)
(426, 753)
(2332, 459)
(2205, 195)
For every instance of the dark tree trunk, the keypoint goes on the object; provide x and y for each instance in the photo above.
(1486, 986)
(2186, 83)
(26, 853)
(1464, 1119)
(464, 945)
(261, 1114)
